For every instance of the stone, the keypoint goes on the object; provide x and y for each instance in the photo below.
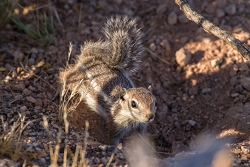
(230, 9)
(39, 102)
(172, 18)
(9, 67)
(205, 90)
(245, 82)
(161, 9)
(191, 122)
(18, 87)
(31, 99)
(183, 57)
(26, 92)
(152, 46)
(219, 13)
(210, 9)
(234, 81)
(193, 90)
(31, 61)
(23, 108)
(18, 55)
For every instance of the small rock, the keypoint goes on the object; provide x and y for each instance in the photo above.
(31, 61)
(230, 9)
(235, 94)
(161, 9)
(184, 39)
(191, 122)
(234, 81)
(18, 55)
(205, 90)
(39, 102)
(170, 119)
(183, 19)
(31, 99)
(23, 109)
(34, 50)
(193, 90)
(165, 44)
(42, 160)
(188, 127)
(183, 57)
(8, 67)
(245, 82)
(104, 160)
(18, 97)
(152, 46)
(219, 13)
(97, 160)
(210, 9)
(172, 18)
(18, 87)
(26, 92)
(32, 133)
(118, 2)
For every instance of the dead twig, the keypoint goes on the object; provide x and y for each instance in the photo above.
(213, 29)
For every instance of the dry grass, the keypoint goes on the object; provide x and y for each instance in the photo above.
(10, 140)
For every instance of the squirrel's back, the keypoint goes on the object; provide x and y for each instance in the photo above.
(122, 48)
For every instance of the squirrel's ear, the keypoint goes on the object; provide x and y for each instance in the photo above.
(150, 88)
(123, 92)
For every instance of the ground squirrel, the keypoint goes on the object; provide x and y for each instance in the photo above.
(101, 75)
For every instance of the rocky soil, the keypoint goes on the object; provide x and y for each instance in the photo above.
(201, 84)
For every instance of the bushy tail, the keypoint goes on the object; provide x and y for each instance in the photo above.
(125, 43)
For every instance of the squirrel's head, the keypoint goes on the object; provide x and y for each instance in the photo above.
(138, 104)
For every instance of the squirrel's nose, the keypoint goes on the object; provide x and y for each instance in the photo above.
(151, 117)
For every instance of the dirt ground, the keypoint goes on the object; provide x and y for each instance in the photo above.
(206, 92)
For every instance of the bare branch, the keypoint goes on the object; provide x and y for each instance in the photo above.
(213, 29)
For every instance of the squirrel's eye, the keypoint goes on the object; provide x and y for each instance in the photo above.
(133, 104)
(155, 103)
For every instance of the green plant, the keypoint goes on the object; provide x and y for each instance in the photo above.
(7, 8)
(40, 31)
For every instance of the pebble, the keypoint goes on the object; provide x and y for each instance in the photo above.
(170, 119)
(210, 9)
(183, 19)
(235, 94)
(161, 9)
(26, 92)
(39, 102)
(18, 87)
(31, 99)
(191, 122)
(152, 46)
(184, 39)
(206, 90)
(193, 90)
(104, 160)
(245, 82)
(9, 67)
(172, 18)
(97, 160)
(230, 9)
(23, 108)
(18, 55)
(32, 133)
(165, 44)
(31, 61)
(34, 51)
(234, 81)
(183, 57)
(219, 13)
